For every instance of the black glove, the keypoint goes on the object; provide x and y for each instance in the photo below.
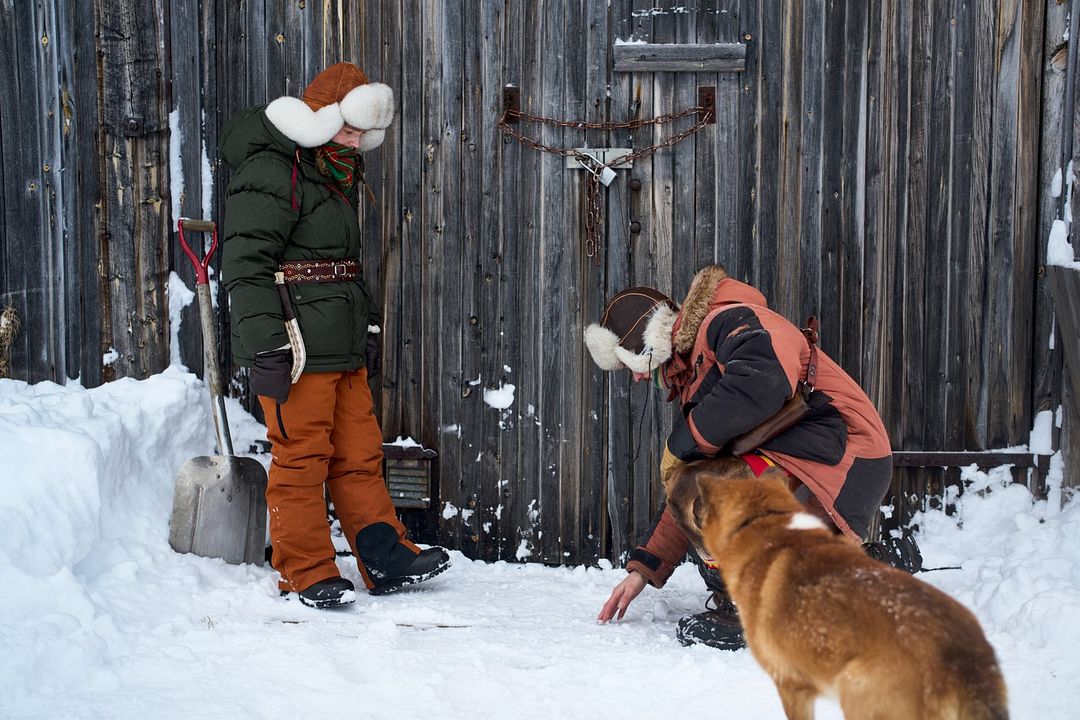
(373, 354)
(272, 375)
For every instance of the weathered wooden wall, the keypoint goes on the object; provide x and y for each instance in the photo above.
(882, 165)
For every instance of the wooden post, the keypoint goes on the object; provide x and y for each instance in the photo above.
(134, 185)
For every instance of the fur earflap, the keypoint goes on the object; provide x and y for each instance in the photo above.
(371, 139)
(657, 333)
(369, 107)
(602, 345)
(608, 354)
(304, 126)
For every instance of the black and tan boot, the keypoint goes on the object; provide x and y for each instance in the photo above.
(719, 626)
(391, 565)
(329, 593)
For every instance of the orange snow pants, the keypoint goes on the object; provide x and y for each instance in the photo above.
(326, 434)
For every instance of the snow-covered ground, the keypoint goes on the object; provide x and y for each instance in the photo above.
(100, 619)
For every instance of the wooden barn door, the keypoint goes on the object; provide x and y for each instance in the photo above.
(489, 277)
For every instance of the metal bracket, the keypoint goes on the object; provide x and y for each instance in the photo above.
(611, 157)
(706, 99)
(511, 101)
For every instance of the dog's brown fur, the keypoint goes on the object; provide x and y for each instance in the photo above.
(822, 618)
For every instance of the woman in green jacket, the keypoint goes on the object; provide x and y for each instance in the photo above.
(291, 223)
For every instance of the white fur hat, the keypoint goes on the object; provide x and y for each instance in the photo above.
(635, 331)
(338, 95)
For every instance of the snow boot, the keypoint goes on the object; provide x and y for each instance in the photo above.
(718, 627)
(390, 565)
(329, 593)
(900, 552)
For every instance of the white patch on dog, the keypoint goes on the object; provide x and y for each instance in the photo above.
(805, 521)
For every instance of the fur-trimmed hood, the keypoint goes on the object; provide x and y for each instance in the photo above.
(710, 288)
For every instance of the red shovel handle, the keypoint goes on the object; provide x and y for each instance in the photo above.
(201, 277)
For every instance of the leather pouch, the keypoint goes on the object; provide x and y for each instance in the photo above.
(791, 412)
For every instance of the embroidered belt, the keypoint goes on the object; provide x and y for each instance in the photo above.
(320, 271)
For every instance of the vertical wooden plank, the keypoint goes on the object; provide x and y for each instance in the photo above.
(915, 329)
(877, 268)
(717, 203)
(784, 295)
(770, 96)
(716, 149)
(741, 253)
(575, 266)
(518, 450)
(876, 185)
(878, 357)
(279, 43)
(77, 119)
(490, 232)
(812, 292)
(136, 179)
(998, 347)
(650, 265)
(263, 72)
(960, 350)
(556, 263)
(412, 23)
(685, 181)
(833, 143)
(26, 189)
(185, 103)
(623, 207)
(211, 121)
(936, 246)
(359, 39)
(977, 388)
(592, 457)
(852, 170)
(49, 113)
(523, 30)
(912, 353)
(1028, 349)
(232, 93)
(1047, 354)
(453, 272)
(7, 179)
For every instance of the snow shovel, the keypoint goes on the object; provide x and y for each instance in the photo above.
(219, 504)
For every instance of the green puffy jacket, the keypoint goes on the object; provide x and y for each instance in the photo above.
(262, 229)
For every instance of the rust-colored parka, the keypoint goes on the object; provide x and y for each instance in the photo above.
(735, 362)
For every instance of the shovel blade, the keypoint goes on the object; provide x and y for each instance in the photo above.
(219, 509)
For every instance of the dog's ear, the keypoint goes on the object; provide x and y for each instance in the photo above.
(707, 494)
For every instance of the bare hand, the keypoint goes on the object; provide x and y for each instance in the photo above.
(621, 597)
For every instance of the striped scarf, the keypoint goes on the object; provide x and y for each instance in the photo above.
(337, 162)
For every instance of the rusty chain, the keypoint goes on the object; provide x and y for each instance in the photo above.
(594, 216)
(517, 115)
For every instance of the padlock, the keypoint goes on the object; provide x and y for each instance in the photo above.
(599, 170)
(606, 175)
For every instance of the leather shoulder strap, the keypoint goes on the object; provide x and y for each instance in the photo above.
(810, 332)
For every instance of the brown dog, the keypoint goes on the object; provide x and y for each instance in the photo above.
(822, 618)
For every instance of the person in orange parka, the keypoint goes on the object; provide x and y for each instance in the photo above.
(731, 363)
